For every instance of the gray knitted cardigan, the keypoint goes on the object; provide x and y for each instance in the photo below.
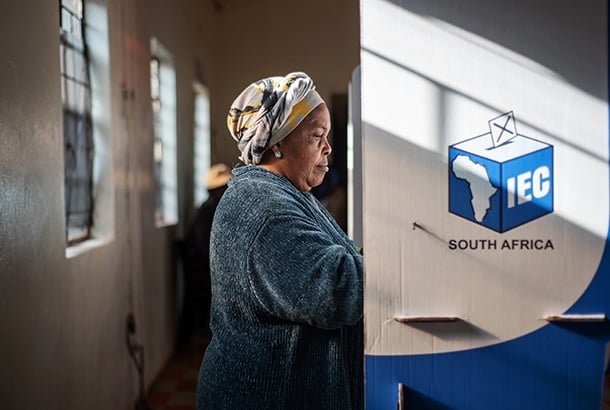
(286, 302)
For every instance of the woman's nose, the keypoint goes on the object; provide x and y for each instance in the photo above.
(327, 148)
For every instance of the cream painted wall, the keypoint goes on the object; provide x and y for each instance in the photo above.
(32, 265)
(63, 319)
(274, 37)
(186, 30)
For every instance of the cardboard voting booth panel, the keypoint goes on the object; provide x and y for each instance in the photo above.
(485, 151)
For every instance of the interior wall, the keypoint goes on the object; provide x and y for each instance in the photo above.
(64, 318)
(275, 37)
(34, 286)
(186, 30)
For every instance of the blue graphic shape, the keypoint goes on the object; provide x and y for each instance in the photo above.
(501, 187)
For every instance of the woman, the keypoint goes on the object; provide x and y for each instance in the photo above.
(286, 281)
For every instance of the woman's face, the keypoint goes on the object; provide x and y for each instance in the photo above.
(305, 151)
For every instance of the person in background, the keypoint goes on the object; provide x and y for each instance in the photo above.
(196, 257)
(286, 281)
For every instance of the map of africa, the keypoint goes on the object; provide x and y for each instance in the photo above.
(477, 179)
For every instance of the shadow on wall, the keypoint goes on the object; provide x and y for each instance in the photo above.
(536, 38)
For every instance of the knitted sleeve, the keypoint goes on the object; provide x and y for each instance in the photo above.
(299, 273)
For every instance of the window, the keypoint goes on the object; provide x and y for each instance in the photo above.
(201, 150)
(163, 96)
(78, 129)
(85, 91)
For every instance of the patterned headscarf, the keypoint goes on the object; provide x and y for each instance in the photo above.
(268, 110)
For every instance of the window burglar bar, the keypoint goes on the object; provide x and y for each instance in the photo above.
(78, 125)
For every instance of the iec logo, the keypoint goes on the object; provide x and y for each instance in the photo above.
(501, 179)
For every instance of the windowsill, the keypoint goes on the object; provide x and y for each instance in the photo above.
(165, 224)
(90, 244)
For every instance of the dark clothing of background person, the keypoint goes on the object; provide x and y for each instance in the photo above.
(196, 258)
(196, 262)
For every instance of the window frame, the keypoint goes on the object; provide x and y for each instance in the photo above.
(202, 142)
(164, 135)
(82, 118)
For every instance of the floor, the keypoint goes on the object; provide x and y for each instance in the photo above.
(174, 389)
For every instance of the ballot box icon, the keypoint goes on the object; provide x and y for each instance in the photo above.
(501, 179)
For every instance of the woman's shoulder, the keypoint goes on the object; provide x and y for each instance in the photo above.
(261, 185)
(258, 191)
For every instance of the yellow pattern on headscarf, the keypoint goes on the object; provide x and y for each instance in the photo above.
(299, 111)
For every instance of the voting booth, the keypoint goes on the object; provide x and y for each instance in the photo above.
(484, 158)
